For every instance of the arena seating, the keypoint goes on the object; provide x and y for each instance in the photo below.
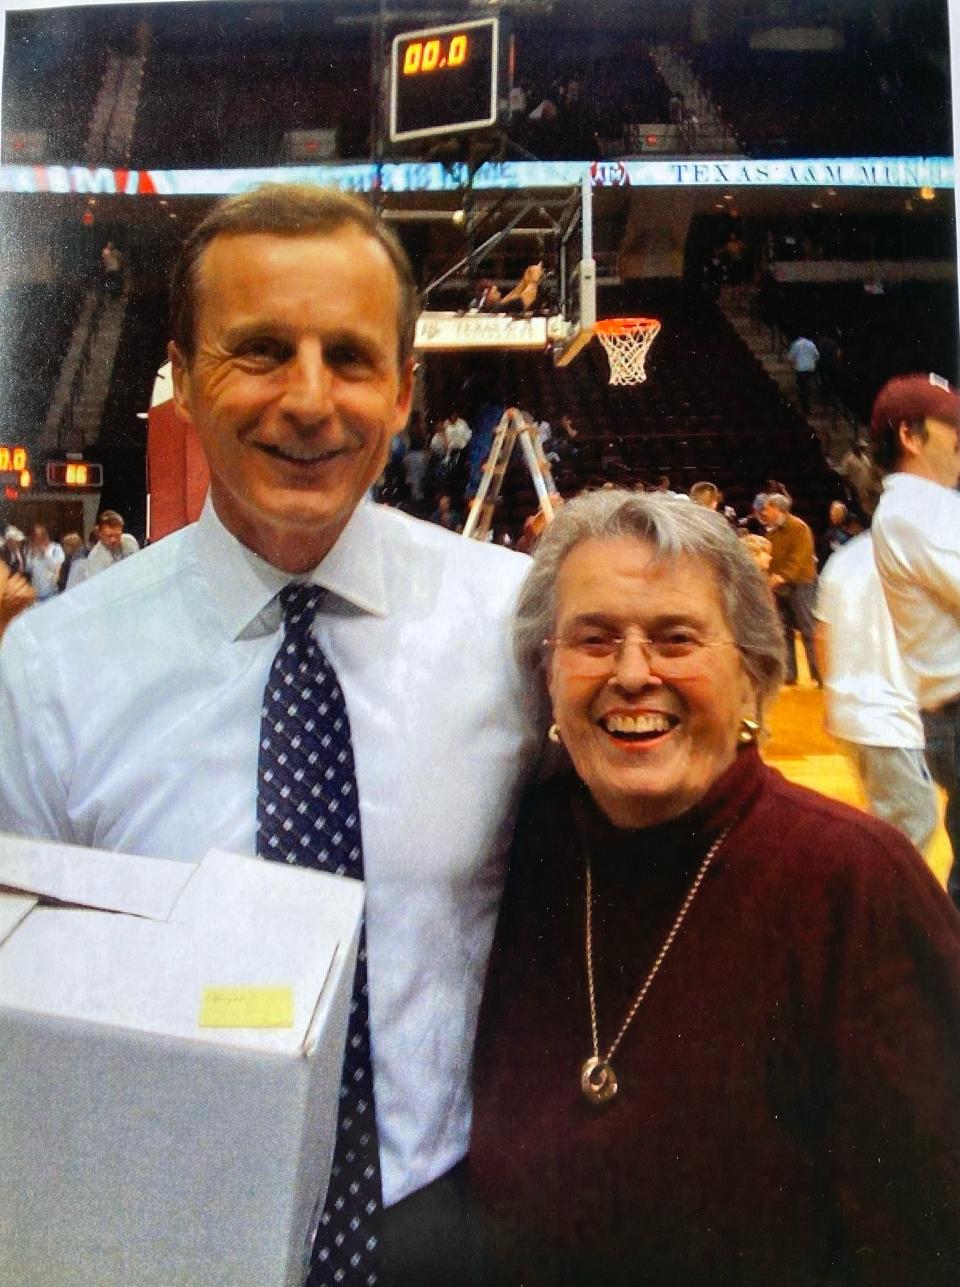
(37, 322)
(708, 411)
(206, 101)
(912, 327)
(863, 100)
(142, 350)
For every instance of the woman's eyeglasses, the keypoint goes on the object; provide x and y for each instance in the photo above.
(673, 651)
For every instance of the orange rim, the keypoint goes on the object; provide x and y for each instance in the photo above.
(624, 325)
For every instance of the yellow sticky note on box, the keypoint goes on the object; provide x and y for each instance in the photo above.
(246, 1006)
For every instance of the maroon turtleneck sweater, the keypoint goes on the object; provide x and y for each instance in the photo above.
(789, 1103)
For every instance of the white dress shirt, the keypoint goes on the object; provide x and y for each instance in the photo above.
(100, 557)
(804, 354)
(153, 750)
(43, 567)
(916, 542)
(871, 698)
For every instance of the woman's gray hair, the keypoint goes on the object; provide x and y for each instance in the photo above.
(674, 528)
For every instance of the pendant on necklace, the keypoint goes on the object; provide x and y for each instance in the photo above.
(598, 1081)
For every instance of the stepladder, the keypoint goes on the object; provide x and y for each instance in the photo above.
(515, 426)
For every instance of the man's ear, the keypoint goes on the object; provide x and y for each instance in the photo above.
(910, 442)
(404, 395)
(181, 382)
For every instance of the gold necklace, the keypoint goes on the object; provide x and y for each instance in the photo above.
(598, 1081)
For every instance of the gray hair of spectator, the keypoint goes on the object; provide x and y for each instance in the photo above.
(110, 518)
(886, 448)
(286, 210)
(778, 501)
(674, 529)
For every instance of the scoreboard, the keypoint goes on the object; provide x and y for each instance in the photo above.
(445, 79)
(14, 469)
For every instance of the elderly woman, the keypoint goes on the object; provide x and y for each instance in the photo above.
(719, 1040)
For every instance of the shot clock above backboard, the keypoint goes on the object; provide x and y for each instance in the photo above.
(444, 79)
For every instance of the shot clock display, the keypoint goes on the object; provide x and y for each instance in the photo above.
(15, 473)
(74, 473)
(444, 79)
(13, 460)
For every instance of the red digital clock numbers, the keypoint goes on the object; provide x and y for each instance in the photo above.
(429, 55)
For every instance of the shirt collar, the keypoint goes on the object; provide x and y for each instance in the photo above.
(900, 479)
(243, 587)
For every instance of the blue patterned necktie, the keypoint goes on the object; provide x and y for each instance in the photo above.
(308, 813)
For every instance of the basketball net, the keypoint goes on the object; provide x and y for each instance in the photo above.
(627, 341)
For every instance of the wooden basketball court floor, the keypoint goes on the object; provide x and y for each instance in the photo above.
(801, 748)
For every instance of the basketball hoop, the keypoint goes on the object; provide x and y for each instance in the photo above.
(626, 340)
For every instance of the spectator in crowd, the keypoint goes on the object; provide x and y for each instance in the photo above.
(43, 559)
(734, 257)
(915, 427)
(517, 105)
(415, 464)
(114, 543)
(835, 534)
(561, 447)
(457, 432)
(793, 578)
(486, 297)
(774, 487)
(803, 356)
(524, 294)
(759, 549)
(112, 261)
(73, 569)
(871, 701)
(293, 312)
(13, 552)
(16, 593)
(706, 494)
(535, 524)
(828, 368)
(438, 443)
(445, 515)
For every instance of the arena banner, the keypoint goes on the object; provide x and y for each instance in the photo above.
(837, 172)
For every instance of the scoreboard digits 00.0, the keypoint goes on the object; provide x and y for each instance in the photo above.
(444, 79)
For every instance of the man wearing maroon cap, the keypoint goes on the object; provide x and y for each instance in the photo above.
(915, 427)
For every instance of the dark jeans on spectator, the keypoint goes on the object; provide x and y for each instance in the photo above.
(942, 729)
(796, 613)
(804, 385)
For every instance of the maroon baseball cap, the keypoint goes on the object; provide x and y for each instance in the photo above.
(915, 397)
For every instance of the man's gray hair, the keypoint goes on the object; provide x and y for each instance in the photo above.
(674, 529)
(778, 501)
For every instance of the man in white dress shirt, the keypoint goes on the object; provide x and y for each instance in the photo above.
(871, 699)
(915, 426)
(293, 316)
(114, 544)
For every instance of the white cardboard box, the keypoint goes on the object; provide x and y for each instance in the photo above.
(138, 1147)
